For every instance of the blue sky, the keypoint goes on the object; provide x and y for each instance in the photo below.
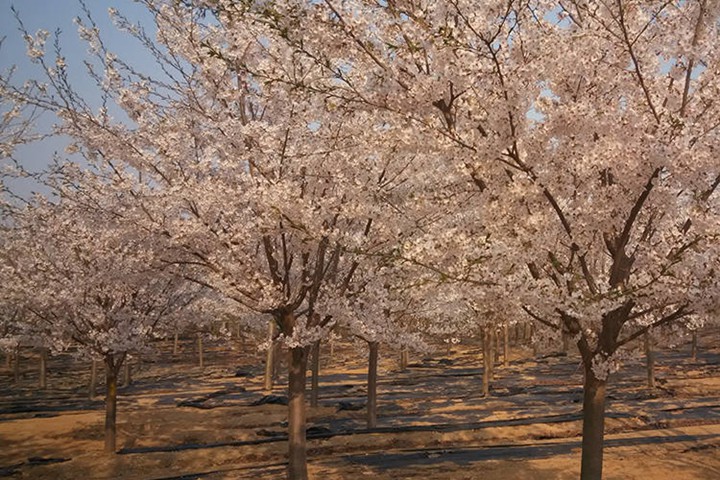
(52, 15)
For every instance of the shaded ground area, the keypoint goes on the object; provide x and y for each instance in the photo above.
(177, 420)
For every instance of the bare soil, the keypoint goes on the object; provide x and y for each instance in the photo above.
(178, 421)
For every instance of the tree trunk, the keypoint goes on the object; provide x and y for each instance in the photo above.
(650, 358)
(8, 360)
(176, 342)
(270, 358)
(487, 361)
(43, 368)
(496, 346)
(565, 342)
(93, 379)
(506, 345)
(315, 367)
(372, 386)
(16, 370)
(127, 379)
(297, 446)
(593, 426)
(527, 333)
(404, 359)
(694, 347)
(111, 374)
(201, 353)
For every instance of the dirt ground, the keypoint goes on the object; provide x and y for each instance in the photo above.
(178, 421)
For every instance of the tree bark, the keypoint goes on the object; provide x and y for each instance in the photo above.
(506, 345)
(593, 426)
(111, 374)
(297, 446)
(93, 379)
(201, 353)
(270, 358)
(404, 360)
(43, 368)
(372, 386)
(487, 361)
(650, 360)
(315, 368)
(127, 378)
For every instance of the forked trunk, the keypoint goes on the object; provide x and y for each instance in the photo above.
(43, 368)
(593, 426)
(297, 454)
(93, 379)
(270, 358)
(111, 374)
(315, 368)
(650, 358)
(372, 386)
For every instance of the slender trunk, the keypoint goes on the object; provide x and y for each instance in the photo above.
(496, 346)
(16, 370)
(650, 357)
(372, 386)
(506, 346)
(127, 379)
(270, 358)
(404, 359)
(201, 355)
(110, 404)
(332, 349)
(176, 342)
(43, 368)
(93, 379)
(297, 445)
(315, 367)
(565, 342)
(593, 426)
(694, 347)
(487, 361)
(8, 360)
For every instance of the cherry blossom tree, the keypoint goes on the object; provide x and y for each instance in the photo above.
(596, 161)
(86, 279)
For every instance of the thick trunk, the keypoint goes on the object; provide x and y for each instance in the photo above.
(487, 361)
(506, 346)
(176, 341)
(297, 455)
(593, 426)
(111, 371)
(93, 379)
(201, 353)
(270, 358)
(315, 382)
(694, 347)
(650, 357)
(372, 386)
(43, 368)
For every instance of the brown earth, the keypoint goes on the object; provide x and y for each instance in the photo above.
(179, 421)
